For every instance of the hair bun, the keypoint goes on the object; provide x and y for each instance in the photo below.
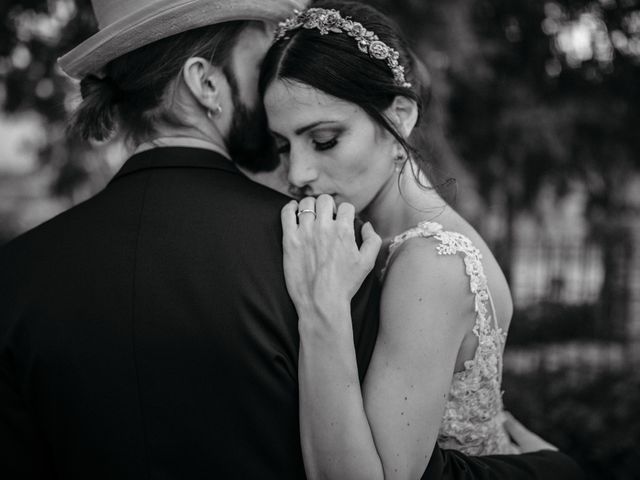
(104, 87)
(96, 119)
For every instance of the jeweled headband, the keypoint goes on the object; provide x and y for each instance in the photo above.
(327, 21)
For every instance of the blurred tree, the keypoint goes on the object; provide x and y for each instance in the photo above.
(33, 34)
(557, 99)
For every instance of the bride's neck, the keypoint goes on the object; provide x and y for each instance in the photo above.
(403, 203)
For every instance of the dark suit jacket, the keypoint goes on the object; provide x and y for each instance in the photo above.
(147, 333)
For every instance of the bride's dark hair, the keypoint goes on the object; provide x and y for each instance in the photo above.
(334, 64)
(129, 94)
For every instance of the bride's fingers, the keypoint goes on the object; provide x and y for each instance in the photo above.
(371, 243)
(325, 208)
(288, 217)
(515, 428)
(307, 212)
(525, 438)
(346, 215)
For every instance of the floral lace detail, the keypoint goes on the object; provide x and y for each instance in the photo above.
(473, 415)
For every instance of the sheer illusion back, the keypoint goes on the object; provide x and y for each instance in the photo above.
(473, 415)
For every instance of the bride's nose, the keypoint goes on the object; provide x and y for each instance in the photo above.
(302, 170)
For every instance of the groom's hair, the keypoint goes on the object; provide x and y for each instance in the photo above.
(335, 65)
(131, 95)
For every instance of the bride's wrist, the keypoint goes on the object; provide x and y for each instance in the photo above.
(323, 305)
(330, 311)
(325, 321)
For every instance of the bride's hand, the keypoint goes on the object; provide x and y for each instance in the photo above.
(525, 438)
(323, 266)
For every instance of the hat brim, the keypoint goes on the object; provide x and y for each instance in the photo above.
(164, 19)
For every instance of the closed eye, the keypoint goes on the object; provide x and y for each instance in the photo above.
(323, 146)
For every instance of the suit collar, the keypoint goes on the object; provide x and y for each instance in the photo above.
(176, 157)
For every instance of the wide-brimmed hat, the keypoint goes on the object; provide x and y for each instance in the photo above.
(126, 25)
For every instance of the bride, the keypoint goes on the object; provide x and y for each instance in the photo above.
(342, 96)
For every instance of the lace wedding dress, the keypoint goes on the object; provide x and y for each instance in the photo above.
(473, 414)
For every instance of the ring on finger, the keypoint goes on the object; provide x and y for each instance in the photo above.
(301, 212)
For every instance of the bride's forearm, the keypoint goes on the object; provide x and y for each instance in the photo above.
(336, 439)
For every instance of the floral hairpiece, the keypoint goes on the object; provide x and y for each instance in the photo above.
(331, 21)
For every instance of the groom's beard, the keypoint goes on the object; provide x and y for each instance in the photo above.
(250, 144)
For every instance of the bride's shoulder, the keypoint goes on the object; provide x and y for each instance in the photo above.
(417, 273)
(424, 291)
(416, 251)
(420, 257)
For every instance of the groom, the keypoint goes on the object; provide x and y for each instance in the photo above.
(147, 333)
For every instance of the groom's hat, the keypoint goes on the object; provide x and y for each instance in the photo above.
(126, 25)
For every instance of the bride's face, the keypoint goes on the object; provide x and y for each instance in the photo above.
(329, 145)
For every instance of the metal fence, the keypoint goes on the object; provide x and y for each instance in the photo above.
(569, 272)
(576, 285)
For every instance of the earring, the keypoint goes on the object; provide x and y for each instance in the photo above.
(399, 161)
(212, 113)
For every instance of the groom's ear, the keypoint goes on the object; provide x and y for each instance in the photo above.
(204, 81)
(403, 113)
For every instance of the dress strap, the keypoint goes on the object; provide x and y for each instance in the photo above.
(494, 313)
(423, 230)
(502, 338)
(452, 243)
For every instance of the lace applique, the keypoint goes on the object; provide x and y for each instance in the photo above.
(473, 418)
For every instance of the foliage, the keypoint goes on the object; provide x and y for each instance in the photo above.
(558, 100)
(547, 322)
(591, 416)
(553, 99)
(33, 34)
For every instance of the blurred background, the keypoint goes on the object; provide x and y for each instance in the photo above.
(535, 113)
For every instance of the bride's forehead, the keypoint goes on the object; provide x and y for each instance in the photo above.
(296, 93)
(294, 99)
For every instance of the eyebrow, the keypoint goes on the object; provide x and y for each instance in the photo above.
(302, 130)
